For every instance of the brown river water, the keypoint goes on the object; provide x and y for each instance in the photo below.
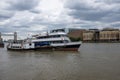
(99, 61)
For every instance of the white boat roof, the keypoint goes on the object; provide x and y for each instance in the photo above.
(50, 34)
(57, 33)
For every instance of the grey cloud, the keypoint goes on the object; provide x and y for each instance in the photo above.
(22, 4)
(17, 23)
(91, 15)
(5, 30)
(84, 11)
(52, 25)
(49, 24)
(35, 11)
(110, 1)
(75, 5)
(13, 28)
(113, 17)
(115, 24)
(4, 14)
(86, 14)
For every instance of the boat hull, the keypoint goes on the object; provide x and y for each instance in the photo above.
(52, 48)
(67, 48)
(12, 49)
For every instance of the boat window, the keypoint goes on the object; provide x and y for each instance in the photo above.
(55, 36)
(63, 35)
(66, 41)
(52, 36)
(57, 42)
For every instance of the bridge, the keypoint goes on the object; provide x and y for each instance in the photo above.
(8, 34)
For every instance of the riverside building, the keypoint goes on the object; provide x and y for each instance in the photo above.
(105, 35)
(91, 35)
(110, 35)
(88, 36)
(76, 34)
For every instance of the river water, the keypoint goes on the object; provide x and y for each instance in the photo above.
(99, 61)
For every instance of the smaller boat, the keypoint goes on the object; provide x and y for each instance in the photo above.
(21, 45)
(55, 40)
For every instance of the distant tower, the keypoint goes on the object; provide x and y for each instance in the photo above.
(15, 36)
(0, 37)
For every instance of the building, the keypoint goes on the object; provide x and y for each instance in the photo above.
(91, 35)
(110, 35)
(95, 34)
(119, 35)
(88, 36)
(105, 35)
(76, 34)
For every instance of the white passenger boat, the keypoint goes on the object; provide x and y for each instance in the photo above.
(55, 40)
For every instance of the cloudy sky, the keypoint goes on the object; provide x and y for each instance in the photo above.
(32, 16)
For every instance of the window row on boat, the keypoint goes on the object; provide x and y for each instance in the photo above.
(15, 46)
(52, 36)
(49, 42)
